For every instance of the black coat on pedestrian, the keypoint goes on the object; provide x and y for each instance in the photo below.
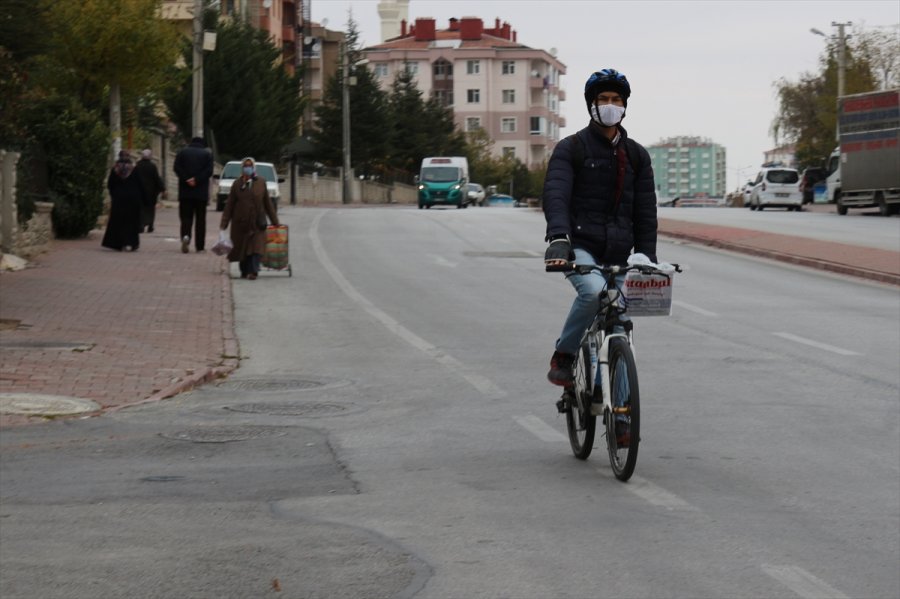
(587, 205)
(124, 224)
(152, 185)
(150, 180)
(194, 160)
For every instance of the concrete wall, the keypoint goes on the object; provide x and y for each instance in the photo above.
(327, 190)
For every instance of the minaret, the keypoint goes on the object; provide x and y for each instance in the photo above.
(391, 13)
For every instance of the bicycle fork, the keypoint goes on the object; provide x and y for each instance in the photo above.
(600, 363)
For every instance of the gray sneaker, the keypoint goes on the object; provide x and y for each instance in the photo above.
(185, 242)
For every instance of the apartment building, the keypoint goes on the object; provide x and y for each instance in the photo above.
(688, 167)
(489, 79)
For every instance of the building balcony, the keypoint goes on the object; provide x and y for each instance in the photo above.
(289, 33)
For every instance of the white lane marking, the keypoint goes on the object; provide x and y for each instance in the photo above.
(441, 261)
(484, 385)
(539, 428)
(692, 308)
(817, 344)
(802, 582)
(656, 495)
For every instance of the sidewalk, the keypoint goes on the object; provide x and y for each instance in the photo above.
(121, 328)
(117, 328)
(880, 265)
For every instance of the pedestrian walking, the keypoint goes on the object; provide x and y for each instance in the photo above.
(194, 168)
(246, 210)
(123, 226)
(153, 186)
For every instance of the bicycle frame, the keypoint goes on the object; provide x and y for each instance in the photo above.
(598, 343)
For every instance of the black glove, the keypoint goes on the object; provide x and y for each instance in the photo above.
(559, 249)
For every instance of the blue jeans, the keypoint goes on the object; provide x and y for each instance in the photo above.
(585, 305)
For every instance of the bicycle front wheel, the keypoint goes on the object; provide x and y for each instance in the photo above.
(623, 425)
(580, 421)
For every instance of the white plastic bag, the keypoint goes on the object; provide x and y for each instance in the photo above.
(223, 246)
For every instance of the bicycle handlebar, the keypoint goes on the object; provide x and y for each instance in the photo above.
(607, 270)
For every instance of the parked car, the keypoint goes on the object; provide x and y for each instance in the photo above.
(776, 187)
(811, 176)
(232, 171)
(476, 194)
(501, 199)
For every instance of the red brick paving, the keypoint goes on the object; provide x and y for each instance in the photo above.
(155, 322)
(869, 263)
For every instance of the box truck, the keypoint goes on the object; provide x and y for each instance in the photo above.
(442, 180)
(864, 170)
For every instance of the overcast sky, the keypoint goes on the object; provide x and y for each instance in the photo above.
(696, 68)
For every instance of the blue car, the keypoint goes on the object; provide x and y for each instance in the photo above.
(501, 199)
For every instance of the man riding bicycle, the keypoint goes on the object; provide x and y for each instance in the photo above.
(599, 201)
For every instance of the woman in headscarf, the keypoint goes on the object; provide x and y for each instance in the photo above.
(246, 210)
(126, 198)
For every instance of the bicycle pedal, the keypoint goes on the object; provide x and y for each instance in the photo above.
(561, 405)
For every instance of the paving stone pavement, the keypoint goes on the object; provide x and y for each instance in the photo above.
(117, 327)
(120, 328)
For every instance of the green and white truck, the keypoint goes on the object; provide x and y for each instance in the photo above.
(442, 181)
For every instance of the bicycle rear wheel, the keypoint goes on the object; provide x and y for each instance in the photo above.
(623, 426)
(582, 424)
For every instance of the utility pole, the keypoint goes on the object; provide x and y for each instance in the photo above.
(842, 54)
(345, 121)
(197, 68)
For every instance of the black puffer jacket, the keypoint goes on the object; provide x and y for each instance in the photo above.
(581, 203)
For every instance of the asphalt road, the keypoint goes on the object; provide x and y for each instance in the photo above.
(390, 433)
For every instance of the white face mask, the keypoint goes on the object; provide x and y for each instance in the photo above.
(607, 115)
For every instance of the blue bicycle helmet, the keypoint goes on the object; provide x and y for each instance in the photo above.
(606, 80)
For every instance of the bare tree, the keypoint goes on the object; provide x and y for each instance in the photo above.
(880, 47)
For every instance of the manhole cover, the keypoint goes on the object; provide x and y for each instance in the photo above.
(270, 384)
(61, 345)
(33, 404)
(225, 434)
(308, 409)
(508, 254)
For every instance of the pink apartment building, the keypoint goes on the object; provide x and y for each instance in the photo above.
(489, 79)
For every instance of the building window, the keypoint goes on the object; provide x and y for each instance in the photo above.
(473, 96)
(536, 128)
(381, 69)
(473, 67)
(473, 123)
(411, 67)
(508, 124)
(444, 97)
(509, 96)
(509, 152)
(509, 67)
(442, 69)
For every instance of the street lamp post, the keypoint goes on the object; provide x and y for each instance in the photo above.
(346, 82)
(345, 123)
(842, 61)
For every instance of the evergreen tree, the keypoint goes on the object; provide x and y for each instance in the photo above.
(369, 120)
(251, 105)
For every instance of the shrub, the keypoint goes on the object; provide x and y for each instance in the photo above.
(64, 162)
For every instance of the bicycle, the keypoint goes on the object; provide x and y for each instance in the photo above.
(606, 357)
